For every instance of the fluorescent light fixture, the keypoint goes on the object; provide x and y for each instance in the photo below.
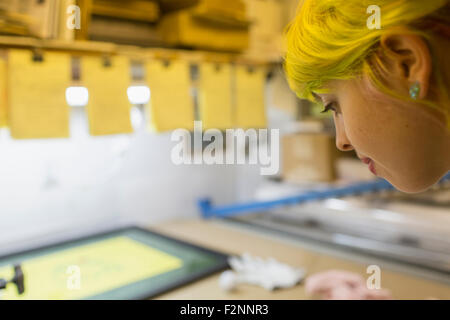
(77, 96)
(138, 94)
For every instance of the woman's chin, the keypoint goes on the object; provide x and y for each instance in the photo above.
(413, 185)
(411, 189)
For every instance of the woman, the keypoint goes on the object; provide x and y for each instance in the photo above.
(386, 85)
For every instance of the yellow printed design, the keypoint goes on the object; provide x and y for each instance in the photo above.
(36, 93)
(103, 266)
(171, 103)
(108, 107)
(215, 100)
(250, 102)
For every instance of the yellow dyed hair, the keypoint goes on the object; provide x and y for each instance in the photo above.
(330, 40)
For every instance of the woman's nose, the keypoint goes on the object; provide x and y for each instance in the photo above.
(342, 141)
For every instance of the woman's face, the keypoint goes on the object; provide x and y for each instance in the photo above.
(401, 142)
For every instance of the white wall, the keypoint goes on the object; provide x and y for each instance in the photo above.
(52, 188)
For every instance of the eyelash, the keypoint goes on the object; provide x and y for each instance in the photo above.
(329, 107)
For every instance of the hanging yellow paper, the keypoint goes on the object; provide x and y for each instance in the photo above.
(3, 94)
(101, 267)
(108, 107)
(171, 104)
(250, 102)
(215, 102)
(36, 94)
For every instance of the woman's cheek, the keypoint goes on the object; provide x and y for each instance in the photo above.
(356, 130)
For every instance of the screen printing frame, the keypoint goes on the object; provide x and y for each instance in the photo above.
(221, 258)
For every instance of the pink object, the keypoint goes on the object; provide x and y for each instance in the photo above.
(343, 285)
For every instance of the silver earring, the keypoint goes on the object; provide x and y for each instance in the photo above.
(414, 90)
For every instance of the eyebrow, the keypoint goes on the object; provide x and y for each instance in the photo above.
(318, 99)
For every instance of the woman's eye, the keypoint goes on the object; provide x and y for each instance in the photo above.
(329, 106)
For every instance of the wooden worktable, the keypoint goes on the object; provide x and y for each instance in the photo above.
(232, 240)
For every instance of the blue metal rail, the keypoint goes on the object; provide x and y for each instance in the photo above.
(208, 211)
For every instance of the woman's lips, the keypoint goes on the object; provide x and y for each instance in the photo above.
(371, 165)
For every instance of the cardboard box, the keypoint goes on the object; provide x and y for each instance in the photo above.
(125, 22)
(309, 157)
(266, 31)
(124, 32)
(135, 10)
(30, 18)
(172, 5)
(207, 26)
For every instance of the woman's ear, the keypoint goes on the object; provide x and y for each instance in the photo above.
(410, 59)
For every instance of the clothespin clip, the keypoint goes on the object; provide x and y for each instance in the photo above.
(166, 63)
(218, 67)
(76, 69)
(251, 69)
(165, 57)
(107, 61)
(137, 71)
(38, 55)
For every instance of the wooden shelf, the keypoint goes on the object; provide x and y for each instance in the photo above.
(134, 52)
